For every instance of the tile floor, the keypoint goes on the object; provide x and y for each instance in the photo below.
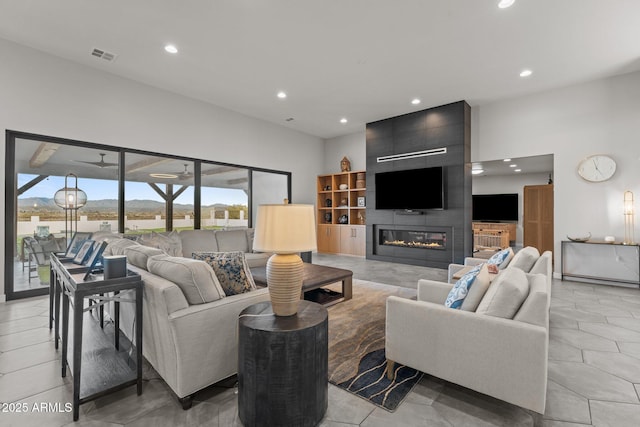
(594, 371)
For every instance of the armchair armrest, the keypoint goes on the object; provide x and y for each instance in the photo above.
(474, 261)
(453, 269)
(433, 291)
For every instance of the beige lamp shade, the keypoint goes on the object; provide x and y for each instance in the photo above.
(285, 229)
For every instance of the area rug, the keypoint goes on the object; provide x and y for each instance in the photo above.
(357, 361)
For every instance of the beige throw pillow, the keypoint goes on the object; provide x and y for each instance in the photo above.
(197, 280)
(505, 295)
(525, 258)
(139, 255)
(117, 246)
(477, 290)
(170, 243)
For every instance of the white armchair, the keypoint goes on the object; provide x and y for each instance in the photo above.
(500, 357)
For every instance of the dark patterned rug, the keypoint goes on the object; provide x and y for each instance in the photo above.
(356, 346)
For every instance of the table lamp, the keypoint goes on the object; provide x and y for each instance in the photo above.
(286, 230)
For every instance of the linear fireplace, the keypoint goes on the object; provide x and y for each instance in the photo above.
(429, 245)
(413, 239)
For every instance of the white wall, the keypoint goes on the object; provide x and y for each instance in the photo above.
(46, 95)
(509, 184)
(602, 116)
(574, 122)
(353, 146)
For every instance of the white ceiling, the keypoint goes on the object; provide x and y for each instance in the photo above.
(360, 59)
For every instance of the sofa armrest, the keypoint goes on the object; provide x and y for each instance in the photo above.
(500, 357)
(433, 291)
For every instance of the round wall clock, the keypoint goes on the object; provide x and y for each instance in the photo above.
(597, 168)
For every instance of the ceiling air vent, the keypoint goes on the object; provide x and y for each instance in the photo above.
(103, 54)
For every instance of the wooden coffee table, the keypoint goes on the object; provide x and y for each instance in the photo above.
(314, 277)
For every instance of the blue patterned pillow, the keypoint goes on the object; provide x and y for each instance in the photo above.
(461, 289)
(501, 258)
(231, 270)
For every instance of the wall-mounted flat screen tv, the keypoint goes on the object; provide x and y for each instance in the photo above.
(412, 189)
(495, 207)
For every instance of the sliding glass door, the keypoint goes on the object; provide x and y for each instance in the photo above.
(127, 191)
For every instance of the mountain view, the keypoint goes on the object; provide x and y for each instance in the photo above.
(108, 209)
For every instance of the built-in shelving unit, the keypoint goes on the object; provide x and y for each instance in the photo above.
(341, 213)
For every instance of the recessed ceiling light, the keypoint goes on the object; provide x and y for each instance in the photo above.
(526, 73)
(503, 4)
(415, 101)
(343, 120)
(506, 160)
(171, 48)
(282, 95)
(517, 170)
(513, 165)
(163, 175)
(476, 171)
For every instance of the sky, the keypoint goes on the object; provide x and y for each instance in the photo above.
(99, 189)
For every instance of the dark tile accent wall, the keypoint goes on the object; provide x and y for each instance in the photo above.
(445, 126)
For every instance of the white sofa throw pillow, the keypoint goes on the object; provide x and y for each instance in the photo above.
(505, 295)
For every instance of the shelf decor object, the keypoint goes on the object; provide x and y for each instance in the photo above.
(628, 218)
(70, 199)
(285, 230)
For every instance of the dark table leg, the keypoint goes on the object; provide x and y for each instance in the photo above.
(116, 321)
(78, 305)
(52, 286)
(57, 295)
(139, 336)
(65, 331)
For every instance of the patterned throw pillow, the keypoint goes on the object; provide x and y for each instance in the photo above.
(460, 290)
(231, 270)
(501, 258)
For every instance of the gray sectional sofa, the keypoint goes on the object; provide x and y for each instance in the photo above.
(500, 349)
(189, 325)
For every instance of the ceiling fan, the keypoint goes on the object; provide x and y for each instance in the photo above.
(101, 163)
(185, 174)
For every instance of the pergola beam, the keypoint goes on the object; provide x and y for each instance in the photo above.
(42, 154)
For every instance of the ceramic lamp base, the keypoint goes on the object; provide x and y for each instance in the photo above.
(284, 279)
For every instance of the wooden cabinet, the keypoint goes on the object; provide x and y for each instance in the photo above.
(328, 238)
(340, 213)
(538, 217)
(353, 240)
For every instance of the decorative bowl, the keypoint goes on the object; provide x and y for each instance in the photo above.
(580, 239)
(343, 186)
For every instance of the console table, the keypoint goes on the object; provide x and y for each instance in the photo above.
(601, 262)
(109, 368)
(283, 366)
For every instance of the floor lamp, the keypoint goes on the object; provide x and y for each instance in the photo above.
(70, 199)
(286, 230)
(628, 218)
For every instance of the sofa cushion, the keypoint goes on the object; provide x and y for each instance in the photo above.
(198, 241)
(535, 309)
(505, 295)
(196, 278)
(232, 240)
(138, 255)
(462, 287)
(170, 243)
(231, 270)
(525, 258)
(477, 290)
(117, 246)
(501, 258)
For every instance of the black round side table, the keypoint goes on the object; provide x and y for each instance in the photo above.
(282, 366)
